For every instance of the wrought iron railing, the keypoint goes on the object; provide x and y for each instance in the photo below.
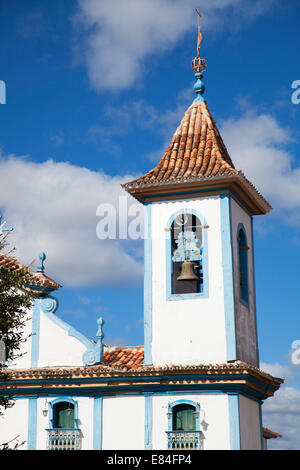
(185, 440)
(63, 439)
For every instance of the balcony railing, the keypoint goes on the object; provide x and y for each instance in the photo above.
(63, 439)
(185, 440)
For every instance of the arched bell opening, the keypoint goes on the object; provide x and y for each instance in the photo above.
(186, 245)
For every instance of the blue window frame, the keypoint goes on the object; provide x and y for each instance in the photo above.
(63, 413)
(184, 425)
(243, 264)
(63, 432)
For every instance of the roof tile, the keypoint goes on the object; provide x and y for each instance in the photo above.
(30, 276)
(196, 150)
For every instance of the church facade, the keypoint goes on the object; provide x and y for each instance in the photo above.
(195, 383)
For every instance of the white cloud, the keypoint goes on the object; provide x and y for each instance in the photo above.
(281, 413)
(52, 207)
(286, 372)
(115, 37)
(256, 144)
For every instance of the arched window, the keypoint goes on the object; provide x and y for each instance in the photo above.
(63, 433)
(184, 418)
(186, 253)
(184, 425)
(63, 415)
(243, 265)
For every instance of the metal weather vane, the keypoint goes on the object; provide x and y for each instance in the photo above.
(198, 63)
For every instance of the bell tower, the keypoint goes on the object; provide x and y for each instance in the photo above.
(199, 270)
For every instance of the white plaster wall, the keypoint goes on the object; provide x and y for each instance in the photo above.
(245, 316)
(86, 420)
(188, 331)
(57, 347)
(42, 423)
(123, 423)
(14, 423)
(250, 427)
(23, 362)
(213, 410)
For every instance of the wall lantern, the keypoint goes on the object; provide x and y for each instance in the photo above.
(45, 410)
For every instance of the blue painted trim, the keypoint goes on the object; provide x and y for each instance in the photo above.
(98, 423)
(148, 421)
(234, 421)
(144, 393)
(85, 383)
(244, 301)
(49, 306)
(60, 399)
(35, 330)
(32, 423)
(254, 292)
(41, 289)
(169, 262)
(130, 390)
(71, 331)
(228, 277)
(219, 379)
(148, 286)
(195, 194)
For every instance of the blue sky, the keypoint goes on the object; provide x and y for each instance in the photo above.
(94, 92)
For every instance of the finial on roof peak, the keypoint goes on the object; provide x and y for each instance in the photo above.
(41, 267)
(199, 66)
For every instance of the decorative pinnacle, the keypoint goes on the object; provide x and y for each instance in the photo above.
(199, 65)
(100, 323)
(41, 267)
(100, 345)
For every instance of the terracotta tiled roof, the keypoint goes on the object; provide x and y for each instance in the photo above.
(196, 150)
(196, 156)
(124, 357)
(269, 434)
(30, 277)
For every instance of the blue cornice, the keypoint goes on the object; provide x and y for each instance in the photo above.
(254, 387)
(195, 193)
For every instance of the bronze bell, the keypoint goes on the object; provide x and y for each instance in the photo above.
(187, 272)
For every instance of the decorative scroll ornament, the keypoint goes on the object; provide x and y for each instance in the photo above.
(49, 304)
(187, 249)
(89, 357)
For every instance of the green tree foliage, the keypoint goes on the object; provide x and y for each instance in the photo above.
(15, 303)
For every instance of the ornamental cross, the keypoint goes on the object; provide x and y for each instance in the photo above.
(4, 229)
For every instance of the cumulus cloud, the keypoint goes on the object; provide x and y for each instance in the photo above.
(257, 144)
(286, 372)
(52, 207)
(115, 38)
(280, 413)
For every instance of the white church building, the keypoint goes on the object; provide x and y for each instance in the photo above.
(195, 383)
